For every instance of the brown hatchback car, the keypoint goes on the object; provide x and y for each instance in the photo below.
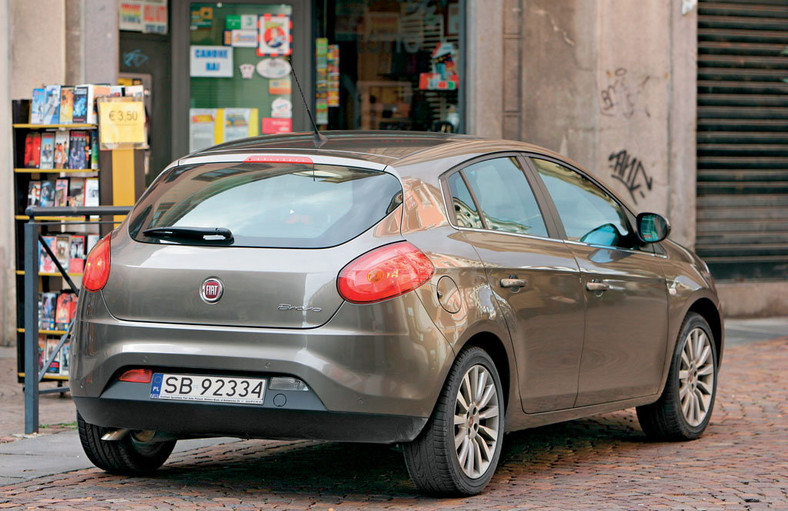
(429, 290)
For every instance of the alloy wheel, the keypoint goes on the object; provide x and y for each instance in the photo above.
(476, 421)
(696, 377)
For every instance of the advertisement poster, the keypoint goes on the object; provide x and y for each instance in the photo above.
(154, 16)
(202, 128)
(274, 35)
(202, 17)
(272, 126)
(148, 16)
(130, 16)
(333, 75)
(239, 123)
(211, 61)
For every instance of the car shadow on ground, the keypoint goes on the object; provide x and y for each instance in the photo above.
(341, 469)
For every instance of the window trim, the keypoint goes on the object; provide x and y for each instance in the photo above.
(647, 248)
(547, 215)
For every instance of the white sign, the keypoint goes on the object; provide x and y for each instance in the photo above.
(212, 61)
(273, 68)
(282, 108)
(244, 38)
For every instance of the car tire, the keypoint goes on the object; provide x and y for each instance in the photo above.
(685, 406)
(459, 448)
(127, 456)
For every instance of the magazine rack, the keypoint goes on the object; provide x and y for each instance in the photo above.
(77, 179)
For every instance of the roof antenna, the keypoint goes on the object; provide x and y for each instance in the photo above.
(320, 139)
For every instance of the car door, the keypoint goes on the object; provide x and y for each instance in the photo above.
(534, 277)
(626, 297)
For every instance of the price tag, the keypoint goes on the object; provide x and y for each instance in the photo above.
(121, 122)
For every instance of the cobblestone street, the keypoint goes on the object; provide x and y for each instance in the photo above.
(600, 463)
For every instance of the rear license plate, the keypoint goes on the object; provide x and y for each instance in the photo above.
(216, 389)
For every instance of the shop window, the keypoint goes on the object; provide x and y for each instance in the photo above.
(240, 58)
(399, 64)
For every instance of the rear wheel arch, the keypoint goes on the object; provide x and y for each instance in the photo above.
(494, 347)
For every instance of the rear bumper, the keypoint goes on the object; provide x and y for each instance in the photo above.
(374, 373)
(201, 420)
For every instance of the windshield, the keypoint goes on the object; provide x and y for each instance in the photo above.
(281, 205)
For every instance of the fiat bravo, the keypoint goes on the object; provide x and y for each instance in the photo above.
(428, 290)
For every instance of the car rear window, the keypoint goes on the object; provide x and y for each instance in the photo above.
(280, 205)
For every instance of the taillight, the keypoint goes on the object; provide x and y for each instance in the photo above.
(384, 273)
(137, 376)
(97, 267)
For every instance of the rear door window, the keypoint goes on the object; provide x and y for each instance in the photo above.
(268, 204)
(507, 202)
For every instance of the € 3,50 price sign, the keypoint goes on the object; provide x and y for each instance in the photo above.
(121, 122)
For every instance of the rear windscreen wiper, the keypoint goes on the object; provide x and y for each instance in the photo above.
(204, 234)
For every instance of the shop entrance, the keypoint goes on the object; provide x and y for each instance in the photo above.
(232, 63)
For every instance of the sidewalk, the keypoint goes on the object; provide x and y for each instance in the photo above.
(56, 448)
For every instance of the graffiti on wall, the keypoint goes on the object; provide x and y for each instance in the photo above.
(135, 58)
(620, 98)
(632, 173)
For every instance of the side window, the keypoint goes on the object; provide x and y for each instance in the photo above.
(505, 197)
(588, 213)
(464, 209)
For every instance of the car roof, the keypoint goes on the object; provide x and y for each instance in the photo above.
(396, 148)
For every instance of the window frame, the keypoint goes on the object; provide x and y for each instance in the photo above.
(548, 215)
(634, 246)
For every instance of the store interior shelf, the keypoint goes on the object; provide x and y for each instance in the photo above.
(58, 377)
(53, 218)
(56, 126)
(50, 274)
(53, 171)
(44, 332)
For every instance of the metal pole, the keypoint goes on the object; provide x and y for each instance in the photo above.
(31, 327)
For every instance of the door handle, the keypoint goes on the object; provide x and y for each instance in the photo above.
(512, 282)
(597, 286)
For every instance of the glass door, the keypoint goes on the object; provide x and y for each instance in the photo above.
(233, 78)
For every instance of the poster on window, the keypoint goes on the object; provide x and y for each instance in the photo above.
(274, 35)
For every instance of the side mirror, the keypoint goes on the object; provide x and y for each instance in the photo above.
(652, 227)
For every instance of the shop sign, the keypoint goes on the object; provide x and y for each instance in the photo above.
(281, 108)
(243, 38)
(275, 36)
(273, 68)
(211, 61)
(121, 122)
(273, 126)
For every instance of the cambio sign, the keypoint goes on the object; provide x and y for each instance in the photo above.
(211, 61)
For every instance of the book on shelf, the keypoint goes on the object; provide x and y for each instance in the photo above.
(77, 262)
(66, 104)
(94, 150)
(47, 158)
(47, 194)
(63, 250)
(52, 107)
(61, 192)
(61, 149)
(83, 96)
(92, 239)
(38, 106)
(47, 304)
(91, 191)
(76, 191)
(34, 194)
(134, 91)
(65, 311)
(45, 263)
(51, 345)
(65, 358)
(116, 91)
(32, 150)
(78, 147)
